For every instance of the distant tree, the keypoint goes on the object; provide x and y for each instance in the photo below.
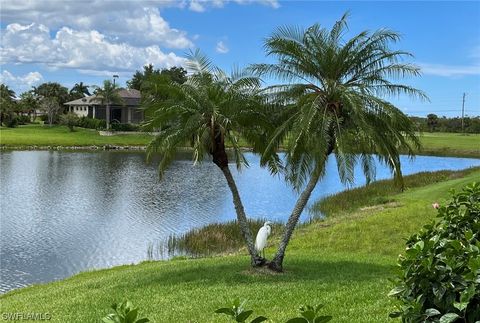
(52, 90)
(108, 95)
(176, 74)
(432, 121)
(51, 107)
(78, 91)
(29, 103)
(7, 105)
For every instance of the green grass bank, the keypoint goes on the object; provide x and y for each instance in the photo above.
(24, 137)
(344, 262)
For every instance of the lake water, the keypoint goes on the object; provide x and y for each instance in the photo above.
(66, 212)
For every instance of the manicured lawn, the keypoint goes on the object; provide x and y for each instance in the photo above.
(39, 135)
(344, 262)
(442, 144)
(451, 144)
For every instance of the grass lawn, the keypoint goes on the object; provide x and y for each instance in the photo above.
(39, 135)
(344, 262)
(450, 144)
(442, 144)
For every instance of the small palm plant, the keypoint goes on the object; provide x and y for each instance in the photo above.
(210, 110)
(336, 102)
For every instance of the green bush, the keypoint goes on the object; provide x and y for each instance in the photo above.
(85, 122)
(125, 127)
(124, 313)
(70, 120)
(440, 271)
(11, 121)
(22, 119)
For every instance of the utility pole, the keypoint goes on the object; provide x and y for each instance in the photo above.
(463, 113)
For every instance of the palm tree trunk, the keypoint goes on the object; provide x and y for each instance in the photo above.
(277, 263)
(107, 113)
(256, 260)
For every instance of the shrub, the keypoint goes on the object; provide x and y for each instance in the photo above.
(23, 119)
(440, 271)
(70, 120)
(11, 121)
(125, 127)
(85, 122)
(124, 313)
(309, 314)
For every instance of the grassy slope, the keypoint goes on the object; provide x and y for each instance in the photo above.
(443, 144)
(344, 262)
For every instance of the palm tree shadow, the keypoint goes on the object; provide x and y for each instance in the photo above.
(235, 272)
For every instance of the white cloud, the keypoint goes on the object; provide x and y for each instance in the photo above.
(196, 6)
(82, 50)
(222, 48)
(135, 22)
(449, 70)
(20, 83)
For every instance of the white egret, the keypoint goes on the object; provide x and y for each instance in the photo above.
(262, 235)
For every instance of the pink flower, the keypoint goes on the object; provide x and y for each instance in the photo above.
(435, 205)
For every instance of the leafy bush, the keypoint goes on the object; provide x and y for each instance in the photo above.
(124, 313)
(125, 127)
(11, 121)
(70, 120)
(22, 119)
(85, 122)
(309, 314)
(440, 271)
(237, 313)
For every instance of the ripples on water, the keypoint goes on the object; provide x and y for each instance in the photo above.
(64, 212)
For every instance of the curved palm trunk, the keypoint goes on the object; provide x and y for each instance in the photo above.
(256, 260)
(277, 263)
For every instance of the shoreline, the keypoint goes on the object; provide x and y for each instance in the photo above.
(137, 148)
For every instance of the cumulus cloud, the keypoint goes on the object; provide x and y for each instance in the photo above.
(135, 22)
(222, 48)
(82, 50)
(20, 83)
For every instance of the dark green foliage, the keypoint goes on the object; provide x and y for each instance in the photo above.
(124, 313)
(11, 120)
(440, 271)
(236, 312)
(23, 119)
(125, 127)
(85, 122)
(310, 314)
(70, 120)
(174, 74)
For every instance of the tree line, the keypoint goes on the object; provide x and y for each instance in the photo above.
(434, 123)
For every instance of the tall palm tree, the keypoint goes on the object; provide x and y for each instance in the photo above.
(336, 101)
(208, 110)
(108, 95)
(79, 90)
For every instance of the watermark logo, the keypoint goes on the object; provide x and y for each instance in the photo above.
(26, 316)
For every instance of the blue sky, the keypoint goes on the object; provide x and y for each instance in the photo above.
(69, 42)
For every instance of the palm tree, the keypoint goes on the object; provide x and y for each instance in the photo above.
(108, 95)
(79, 90)
(336, 101)
(209, 109)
